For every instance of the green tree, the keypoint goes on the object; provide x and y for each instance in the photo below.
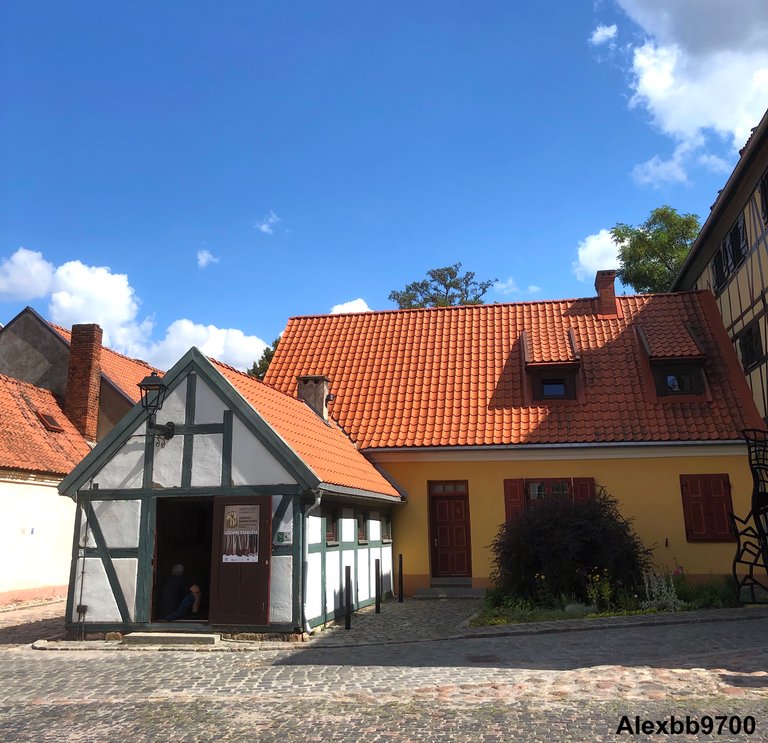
(444, 287)
(259, 368)
(650, 255)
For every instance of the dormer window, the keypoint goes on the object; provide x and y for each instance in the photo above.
(554, 385)
(551, 364)
(678, 379)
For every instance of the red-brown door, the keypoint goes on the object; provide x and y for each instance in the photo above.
(241, 553)
(449, 529)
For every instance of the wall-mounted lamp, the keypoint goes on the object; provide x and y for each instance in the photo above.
(153, 392)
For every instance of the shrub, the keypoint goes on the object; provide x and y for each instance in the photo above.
(554, 548)
(661, 593)
(717, 593)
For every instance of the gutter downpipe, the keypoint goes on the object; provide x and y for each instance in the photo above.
(318, 497)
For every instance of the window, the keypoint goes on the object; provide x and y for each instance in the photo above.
(764, 196)
(678, 379)
(718, 269)
(362, 527)
(520, 495)
(751, 345)
(386, 529)
(331, 526)
(707, 507)
(49, 422)
(554, 385)
(737, 239)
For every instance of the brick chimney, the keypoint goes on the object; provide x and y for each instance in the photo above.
(606, 292)
(314, 390)
(81, 401)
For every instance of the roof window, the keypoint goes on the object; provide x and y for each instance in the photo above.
(678, 379)
(49, 422)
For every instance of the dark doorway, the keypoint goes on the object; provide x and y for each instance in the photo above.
(449, 529)
(184, 528)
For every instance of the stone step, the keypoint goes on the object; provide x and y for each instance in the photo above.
(450, 592)
(171, 638)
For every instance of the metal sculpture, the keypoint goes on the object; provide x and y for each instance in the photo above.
(752, 531)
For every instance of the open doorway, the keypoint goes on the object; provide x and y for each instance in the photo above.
(183, 538)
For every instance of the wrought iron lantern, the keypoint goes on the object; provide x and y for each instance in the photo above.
(153, 391)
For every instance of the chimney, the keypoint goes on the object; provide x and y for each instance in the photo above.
(606, 293)
(314, 390)
(81, 400)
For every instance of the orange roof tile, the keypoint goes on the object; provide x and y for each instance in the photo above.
(124, 372)
(324, 448)
(455, 376)
(25, 443)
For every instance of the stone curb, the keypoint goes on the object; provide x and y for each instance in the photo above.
(704, 616)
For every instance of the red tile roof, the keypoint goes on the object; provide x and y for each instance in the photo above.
(324, 448)
(455, 376)
(124, 372)
(25, 443)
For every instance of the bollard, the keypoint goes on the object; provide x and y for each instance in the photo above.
(400, 578)
(347, 597)
(378, 585)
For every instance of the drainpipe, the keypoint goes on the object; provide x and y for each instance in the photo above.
(318, 497)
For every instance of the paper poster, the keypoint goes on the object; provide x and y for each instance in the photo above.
(241, 534)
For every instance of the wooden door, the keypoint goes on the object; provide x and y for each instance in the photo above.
(449, 529)
(240, 560)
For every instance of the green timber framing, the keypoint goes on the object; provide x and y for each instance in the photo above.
(355, 546)
(297, 496)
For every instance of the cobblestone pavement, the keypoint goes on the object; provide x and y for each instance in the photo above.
(569, 686)
(29, 623)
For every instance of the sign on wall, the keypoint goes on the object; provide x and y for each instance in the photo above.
(241, 534)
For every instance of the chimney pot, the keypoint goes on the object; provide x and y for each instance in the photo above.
(314, 389)
(606, 292)
(81, 400)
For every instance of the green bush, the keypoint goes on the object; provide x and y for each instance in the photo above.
(717, 593)
(559, 547)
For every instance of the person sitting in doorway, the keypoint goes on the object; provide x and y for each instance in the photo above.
(172, 591)
(189, 606)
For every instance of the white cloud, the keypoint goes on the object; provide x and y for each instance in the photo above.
(714, 163)
(602, 34)
(267, 225)
(79, 293)
(205, 258)
(533, 289)
(508, 286)
(595, 253)
(700, 71)
(658, 172)
(354, 305)
(229, 345)
(25, 275)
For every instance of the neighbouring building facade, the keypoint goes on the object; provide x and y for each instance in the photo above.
(38, 446)
(258, 494)
(730, 257)
(476, 412)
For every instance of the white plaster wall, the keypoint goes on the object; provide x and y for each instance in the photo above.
(363, 574)
(166, 467)
(126, 468)
(285, 524)
(313, 607)
(209, 407)
(174, 406)
(348, 525)
(206, 459)
(374, 526)
(315, 530)
(35, 538)
(252, 464)
(119, 522)
(333, 590)
(387, 578)
(347, 558)
(96, 593)
(281, 589)
(126, 569)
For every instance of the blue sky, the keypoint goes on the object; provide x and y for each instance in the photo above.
(191, 173)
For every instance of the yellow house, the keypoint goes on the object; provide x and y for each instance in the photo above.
(475, 412)
(730, 257)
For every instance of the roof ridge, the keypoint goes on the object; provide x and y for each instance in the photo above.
(469, 307)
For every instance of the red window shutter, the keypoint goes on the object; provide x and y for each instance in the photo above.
(721, 507)
(583, 489)
(706, 505)
(514, 498)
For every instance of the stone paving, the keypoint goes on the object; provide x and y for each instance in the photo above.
(566, 685)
